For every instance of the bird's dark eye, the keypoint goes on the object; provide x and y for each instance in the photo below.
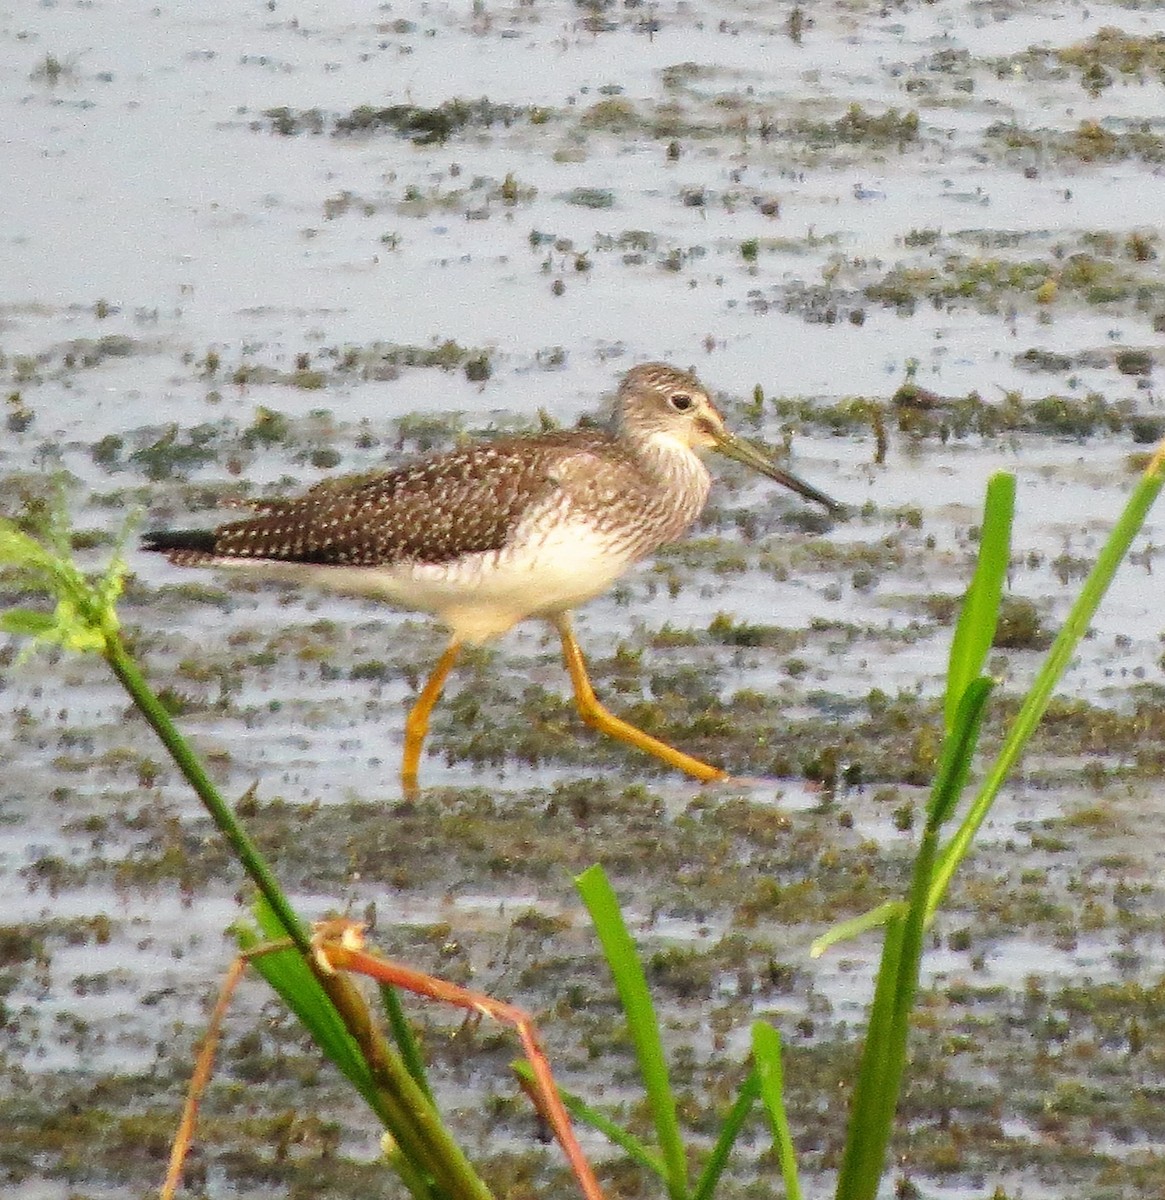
(681, 401)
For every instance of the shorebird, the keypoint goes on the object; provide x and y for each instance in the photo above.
(489, 534)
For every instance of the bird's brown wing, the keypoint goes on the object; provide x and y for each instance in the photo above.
(432, 510)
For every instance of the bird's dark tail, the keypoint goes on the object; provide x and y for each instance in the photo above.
(171, 541)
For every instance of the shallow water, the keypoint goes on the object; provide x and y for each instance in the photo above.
(170, 262)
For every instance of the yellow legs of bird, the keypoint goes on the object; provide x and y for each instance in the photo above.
(592, 712)
(417, 722)
(597, 717)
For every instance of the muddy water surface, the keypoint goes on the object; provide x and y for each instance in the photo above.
(246, 248)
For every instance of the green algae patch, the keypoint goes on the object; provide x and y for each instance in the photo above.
(1098, 62)
(425, 126)
(1089, 142)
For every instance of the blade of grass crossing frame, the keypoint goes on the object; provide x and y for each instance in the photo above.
(86, 620)
(884, 1055)
(405, 1039)
(846, 931)
(897, 1028)
(1112, 554)
(631, 984)
(421, 1152)
(292, 979)
(729, 1132)
(615, 1134)
(974, 633)
(125, 667)
(958, 751)
(864, 1146)
(766, 1057)
(979, 613)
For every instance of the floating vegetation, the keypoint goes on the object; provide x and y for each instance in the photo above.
(1020, 626)
(79, 354)
(989, 283)
(269, 428)
(18, 416)
(590, 197)
(857, 126)
(176, 452)
(54, 69)
(1090, 141)
(1097, 60)
(424, 126)
(615, 115)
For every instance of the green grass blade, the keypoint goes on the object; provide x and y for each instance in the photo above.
(846, 931)
(766, 1056)
(86, 620)
(631, 984)
(86, 617)
(244, 849)
(887, 1063)
(1035, 704)
(294, 982)
(23, 622)
(615, 1134)
(884, 1054)
(865, 1140)
(405, 1039)
(729, 1132)
(958, 751)
(429, 1161)
(980, 609)
(974, 632)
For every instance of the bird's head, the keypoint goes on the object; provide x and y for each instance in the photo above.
(662, 405)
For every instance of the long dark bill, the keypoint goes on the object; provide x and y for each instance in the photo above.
(738, 449)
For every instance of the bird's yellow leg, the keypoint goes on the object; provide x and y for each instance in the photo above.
(417, 722)
(597, 717)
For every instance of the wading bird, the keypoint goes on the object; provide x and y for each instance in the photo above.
(492, 533)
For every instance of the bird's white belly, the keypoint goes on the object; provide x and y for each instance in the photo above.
(483, 595)
(479, 596)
